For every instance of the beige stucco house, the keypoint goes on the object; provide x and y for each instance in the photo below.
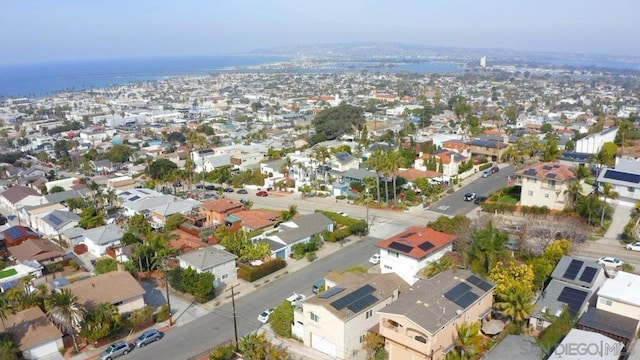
(336, 320)
(34, 334)
(546, 184)
(117, 287)
(421, 324)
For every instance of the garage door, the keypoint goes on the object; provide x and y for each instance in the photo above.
(45, 350)
(281, 254)
(324, 345)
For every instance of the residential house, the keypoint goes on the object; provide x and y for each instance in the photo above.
(336, 321)
(134, 201)
(343, 161)
(215, 260)
(546, 184)
(100, 238)
(102, 166)
(447, 160)
(216, 211)
(421, 324)
(488, 148)
(159, 213)
(66, 183)
(521, 347)
(40, 250)
(298, 230)
(412, 250)
(64, 196)
(573, 283)
(624, 180)
(34, 334)
(15, 235)
(31, 269)
(118, 288)
(592, 144)
(32, 215)
(358, 175)
(56, 221)
(18, 196)
(582, 345)
(617, 310)
(257, 219)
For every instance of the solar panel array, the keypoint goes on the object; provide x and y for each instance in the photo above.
(426, 246)
(621, 176)
(573, 269)
(363, 303)
(574, 298)
(588, 274)
(134, 198)
(14, 232)
(551, 175)
(400, 247)
(530, 172)
(407, 235)
(547, 167)
(462, 295)
(352, 297)
(330, 292)
(479, 283)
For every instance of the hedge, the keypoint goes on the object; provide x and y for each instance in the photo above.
(485, 166)
(535, 210)
(356, 227)
(337, 235)
(499, 207)
(253, 273)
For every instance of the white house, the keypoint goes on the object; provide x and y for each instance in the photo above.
(215, 260)
(297, 230)
(411, 250)
(100, 238)
(624, 180)
(593, 143)
(586, 345)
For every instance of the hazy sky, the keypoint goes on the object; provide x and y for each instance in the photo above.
(51, 30)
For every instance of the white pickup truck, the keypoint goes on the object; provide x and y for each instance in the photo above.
(296, 298)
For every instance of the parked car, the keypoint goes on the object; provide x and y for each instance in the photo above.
(342, 213)
(487, 173)
(228, 189)
(495, 169)
(199, 186)
(375, 259)
(262, 193)
(242, 191)
(635, 246)
(264, 316)
(480, 199)
(211, 187)
(3, 219)
(296, 297)
(610, 261)
(469, 196)
(115, 350)
(148, 337)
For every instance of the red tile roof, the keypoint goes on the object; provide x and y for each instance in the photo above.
(548, 170)
(417, 242)
(413, 174)
(222, 206)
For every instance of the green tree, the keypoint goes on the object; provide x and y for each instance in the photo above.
(469, 341)
(438, 266)
(91, 218)
(56, 189)
(139, 226)
(105, 265)
(102, 322)
(161, 167)
(373, 344)
(286, 215)
(487, 248)
(9, 349)
(336, 121)
(223, 352)
(174, 221)
(65, 311)
(5, 309)
(546, 128)
(516, 304)
(281, 319)
(551, 150)
(607, 154)
(258, 347)
(200, 285)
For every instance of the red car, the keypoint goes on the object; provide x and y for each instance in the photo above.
(262, 193)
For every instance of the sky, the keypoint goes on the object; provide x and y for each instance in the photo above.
(61, 30)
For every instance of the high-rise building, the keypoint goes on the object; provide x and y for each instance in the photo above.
(483, 62)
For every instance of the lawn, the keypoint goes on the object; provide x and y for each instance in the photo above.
(7, 273)
(508, 199)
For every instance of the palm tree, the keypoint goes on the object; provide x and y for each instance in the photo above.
(287, 215)
(516, 304)
(394, 165)
(65, 311)
(487, 248)
(5, 309)
(572, 193)
(469, 340)
(439, 266)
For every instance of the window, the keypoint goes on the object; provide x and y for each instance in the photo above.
(314, 317)
(392, 253)
(421, 339)
(530, 193)
(546, 196)
(224, 277)
(369, 314)
(388, 267)
(606, 302)
(551, 183)
(361, 339)
(531, 180)
(630, 189)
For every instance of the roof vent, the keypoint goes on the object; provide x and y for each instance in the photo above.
(458, 312)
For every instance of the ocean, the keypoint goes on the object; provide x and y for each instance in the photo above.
(46, 79)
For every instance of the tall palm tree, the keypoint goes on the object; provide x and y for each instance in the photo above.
(487, 248)
(5, 309)
(516, 304)
(65, 311)
(289, 214)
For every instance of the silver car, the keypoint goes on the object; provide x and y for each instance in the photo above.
(148, 337)
(115, 350)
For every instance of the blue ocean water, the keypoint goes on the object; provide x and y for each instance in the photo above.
(41, 80)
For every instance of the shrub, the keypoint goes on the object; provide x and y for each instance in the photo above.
(74, 264)
(104, 266)
(311, 256)
(252, 273)
(485, 166)
(223, 352)
(53, 267)
(163, 314)
(200, 285)
(281, 319)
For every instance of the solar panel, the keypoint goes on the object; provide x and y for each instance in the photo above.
(479, 283)
(143, 192)
(55, 220)
(572, 269)
(400, 247)
(457, 291)
(588, 274)
(574, 298)
(622, 176)
(13, 232)
(466, 299)
(353, 296)
(363, 303)
(547, 167)
(426, 246)
(407, 235)
(551, 176)
(126, 193)
(134, 198)
(330, 292)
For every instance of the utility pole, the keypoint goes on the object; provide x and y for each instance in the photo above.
(166, 284)
(235, 322)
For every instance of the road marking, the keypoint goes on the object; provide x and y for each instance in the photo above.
(443, 207)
